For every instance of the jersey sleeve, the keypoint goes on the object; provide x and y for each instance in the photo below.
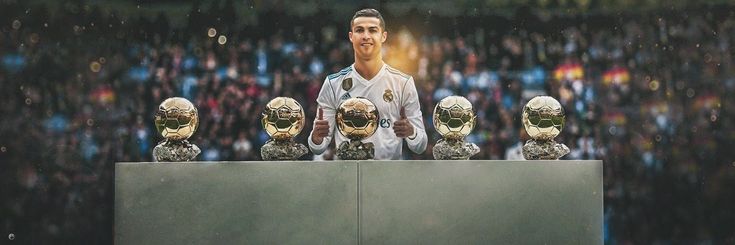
(410, 101)
(327, 101)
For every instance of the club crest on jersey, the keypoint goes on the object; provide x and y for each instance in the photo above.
(346, 96)
(388, 96)
(347, 84)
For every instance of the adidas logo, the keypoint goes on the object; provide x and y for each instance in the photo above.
(346, 96)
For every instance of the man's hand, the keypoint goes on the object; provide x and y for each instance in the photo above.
(402, 128)
(321, 128)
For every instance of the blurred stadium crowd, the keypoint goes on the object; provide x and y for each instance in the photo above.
(646, 92)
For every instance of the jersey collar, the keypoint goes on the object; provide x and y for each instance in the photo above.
(365, 81)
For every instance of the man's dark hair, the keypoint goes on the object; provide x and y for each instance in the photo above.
(369, 13)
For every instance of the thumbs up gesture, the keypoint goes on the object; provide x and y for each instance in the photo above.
(402, 128)
(321, 128)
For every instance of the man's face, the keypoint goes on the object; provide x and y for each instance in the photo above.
(367, 37)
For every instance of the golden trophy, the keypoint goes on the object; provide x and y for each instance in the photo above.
(176, 120)
(283, 119)
(357, 119)
(543, 119)
(454, 119)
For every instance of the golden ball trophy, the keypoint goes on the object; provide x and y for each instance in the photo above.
(357, 119)
(543, 119)
(454, 119)
(283, 119)
(176, 120)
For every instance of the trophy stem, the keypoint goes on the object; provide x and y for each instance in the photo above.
(282, 149)
(356, 150)
(175, 151)
(544, 150)
(454, 149)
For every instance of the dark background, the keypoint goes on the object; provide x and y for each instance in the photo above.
(80, 82)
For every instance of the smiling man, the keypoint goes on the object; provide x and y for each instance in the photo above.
(392, 92)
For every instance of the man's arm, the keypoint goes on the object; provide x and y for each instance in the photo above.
(325, 103)
(418, 141)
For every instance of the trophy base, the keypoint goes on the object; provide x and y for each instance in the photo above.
(544, 150)
(282, 150)
(451, 149)
(356, 150)
(175, 151)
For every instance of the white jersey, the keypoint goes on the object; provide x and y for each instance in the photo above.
(515, 152)
(389, 90)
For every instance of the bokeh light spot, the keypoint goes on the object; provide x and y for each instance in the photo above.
(653, 85)
(690, 93)
(95, 66)
(707, 58)
(34, 38)
(16, 24)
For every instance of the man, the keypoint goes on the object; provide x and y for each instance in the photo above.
(393, 93)
(515, 152)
